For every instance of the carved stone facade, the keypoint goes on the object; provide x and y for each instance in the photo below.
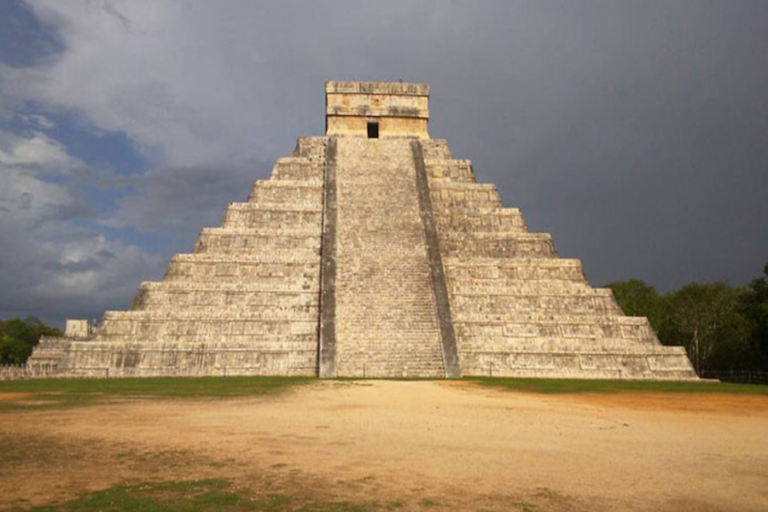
(370, 252)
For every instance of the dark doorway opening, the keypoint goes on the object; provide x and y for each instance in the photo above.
(373, 130)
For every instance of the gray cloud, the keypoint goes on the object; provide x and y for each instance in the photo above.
(634, 131)
(178, 201)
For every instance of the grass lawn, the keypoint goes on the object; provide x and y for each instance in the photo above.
(74, 392)
(564, 386)
(193, 496)
(43, 393)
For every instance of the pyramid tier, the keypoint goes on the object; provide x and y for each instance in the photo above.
(452, 170)
(498, 220)
(239, 240)
(152, 358)
(506, 303)
(214, 324)
(311, 148)
(435, 149)
(287, 192)
(529, 269)
(276, 214)
(298, 169)
(290, 272)
(457, 197)
(497, 245)
(654, 363)
(232, 296)
(558, 327)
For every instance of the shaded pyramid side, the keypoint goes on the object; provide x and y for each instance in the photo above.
(244, 302)
(520, 310)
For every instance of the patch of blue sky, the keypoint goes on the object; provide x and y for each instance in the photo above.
(97, 148)
(24, 41)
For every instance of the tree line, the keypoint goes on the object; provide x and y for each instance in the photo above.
(18, 337)
(723, 328)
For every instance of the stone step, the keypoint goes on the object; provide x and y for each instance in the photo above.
(435, 149)
(507, 306)
(464, 285)
(241, 269)
(270, 214)
(501, 286)
(217, 315)
(452, 223)
(514, 345)
(154, 335)
(499, 245)
(515, 268)
(298, 169)
(143, 358)
(523, 269)
(248, 287)
(286, 191)
(450, 170)
(238, 240)
(311, 148)
(384, 301)
(194, 324)
(268, 300)
(447, 196)
(651, 363)
(545, 319)
(285, 257)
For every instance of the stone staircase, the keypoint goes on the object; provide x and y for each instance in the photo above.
(386, 323)
(518, 309)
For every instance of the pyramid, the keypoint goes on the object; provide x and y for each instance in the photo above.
(370, 252)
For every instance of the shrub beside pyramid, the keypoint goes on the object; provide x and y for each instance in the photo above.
(370, 252)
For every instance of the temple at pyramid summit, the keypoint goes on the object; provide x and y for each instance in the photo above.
(370, 252)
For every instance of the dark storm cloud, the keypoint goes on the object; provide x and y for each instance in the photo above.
(177, 201)
(635, 132)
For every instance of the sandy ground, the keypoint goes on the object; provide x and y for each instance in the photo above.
(435, 445)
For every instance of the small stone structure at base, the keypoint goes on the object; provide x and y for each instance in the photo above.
(370, 252)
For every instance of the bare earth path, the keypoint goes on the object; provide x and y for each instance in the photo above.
(433, 445)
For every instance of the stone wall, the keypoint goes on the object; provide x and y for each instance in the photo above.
(400, 109)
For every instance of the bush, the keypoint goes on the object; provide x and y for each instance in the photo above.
(18, 337)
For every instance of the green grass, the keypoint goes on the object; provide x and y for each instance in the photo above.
(192, 496)
(78, 392)
(566, 386)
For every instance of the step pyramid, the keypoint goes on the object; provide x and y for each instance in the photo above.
(370, 252)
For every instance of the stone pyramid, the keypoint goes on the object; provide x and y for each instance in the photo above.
(370, 252)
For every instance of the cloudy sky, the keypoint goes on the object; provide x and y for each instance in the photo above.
(635, 132)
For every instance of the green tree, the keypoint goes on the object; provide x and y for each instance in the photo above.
(754, 306)
(707, 321)
(637, 298)
(18, 338)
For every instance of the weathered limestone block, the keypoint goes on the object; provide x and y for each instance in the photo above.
(77, 328)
